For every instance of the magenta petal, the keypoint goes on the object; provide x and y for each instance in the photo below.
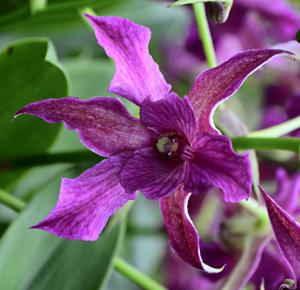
(183, 236)
(287, 233)
(147, 171)
(103, 124)
(217, 84)
(86, 202)
(171, 114)
(137, 75)
(215, 164)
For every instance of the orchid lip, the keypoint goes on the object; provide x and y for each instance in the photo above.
(187, 153)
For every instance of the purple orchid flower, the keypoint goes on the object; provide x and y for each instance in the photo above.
(172, 150)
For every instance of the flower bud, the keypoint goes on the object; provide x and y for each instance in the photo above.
(218, 12)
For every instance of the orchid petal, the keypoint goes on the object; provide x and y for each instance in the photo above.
(137, 75)
(86, 202)
(217, 84)
(216, 164)
(183, 236)
(287, 233)
(103, 124)
(151, 173)
(171, 114)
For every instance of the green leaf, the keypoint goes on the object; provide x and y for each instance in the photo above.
(57, 13)
(28, 72)
(35, 260)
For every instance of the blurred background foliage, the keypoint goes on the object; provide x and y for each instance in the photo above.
(51, 53)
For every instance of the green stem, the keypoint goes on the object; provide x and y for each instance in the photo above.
(266, 143)
(11, 201)
(204, 34)
(255, 173)
(136, 276)
(49, 158)
(278, 130)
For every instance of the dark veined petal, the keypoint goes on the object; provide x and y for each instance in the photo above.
(145, 170)
(104, 125)
(86, 202)
(217, 84)
(287, 233)
(171, 114)
(183, 236)
(215, 164)
(137, 75)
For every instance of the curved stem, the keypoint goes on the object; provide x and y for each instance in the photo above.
(136, 276)
(49, 158)
(266, 143)
(204, 34)
(11, 201)
(278, 130)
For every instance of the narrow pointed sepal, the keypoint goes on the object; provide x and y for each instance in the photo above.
(183, 236)
(287, 234)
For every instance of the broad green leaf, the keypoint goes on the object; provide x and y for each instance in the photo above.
(89, 77)
(35, 260)
(28, 72)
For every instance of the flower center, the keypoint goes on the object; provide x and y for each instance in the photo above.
(174, 146)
